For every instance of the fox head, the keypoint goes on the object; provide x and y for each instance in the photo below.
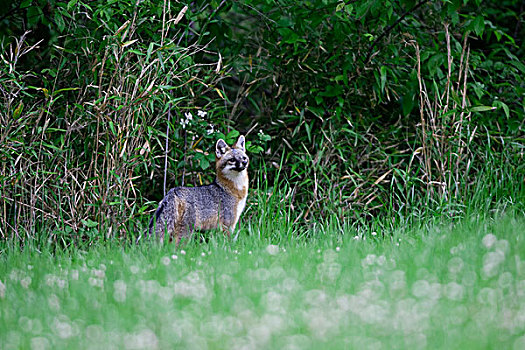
(231, 161)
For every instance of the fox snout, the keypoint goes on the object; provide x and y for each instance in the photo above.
(241, 164)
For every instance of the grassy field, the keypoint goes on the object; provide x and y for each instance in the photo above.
(460, 286)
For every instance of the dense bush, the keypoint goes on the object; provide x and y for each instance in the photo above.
(338, 83)
(85, 120)
(370, 106)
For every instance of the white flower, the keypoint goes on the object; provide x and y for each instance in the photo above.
(184, 122)
(201, 113)
(272, 249)
(489, 240)
(25, 282)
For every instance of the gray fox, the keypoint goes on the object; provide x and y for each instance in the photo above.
(218, 205)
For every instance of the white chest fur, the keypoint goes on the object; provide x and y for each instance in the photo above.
(240, 208)
(240, 182)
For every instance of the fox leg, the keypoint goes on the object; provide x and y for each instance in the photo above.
(159, 225)
(181, 230)
(179, 225)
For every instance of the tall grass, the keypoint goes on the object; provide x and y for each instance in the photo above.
(438, 286)
(81, 137)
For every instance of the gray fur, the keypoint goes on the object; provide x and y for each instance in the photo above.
(185, 209)
(168, 216)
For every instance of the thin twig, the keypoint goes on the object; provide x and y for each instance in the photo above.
(166, 148)
(426, 158)
(390, 27)
(184, 162)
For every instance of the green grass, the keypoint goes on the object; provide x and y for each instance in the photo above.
(460, 286)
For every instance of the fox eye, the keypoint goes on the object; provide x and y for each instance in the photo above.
(231, 161)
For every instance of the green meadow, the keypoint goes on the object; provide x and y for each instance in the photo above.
(386, 207)
(449, 286)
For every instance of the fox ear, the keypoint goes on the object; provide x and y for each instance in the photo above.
(240, 143)
(221, 148)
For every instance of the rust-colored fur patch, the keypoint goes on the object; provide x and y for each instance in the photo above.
(229, 185)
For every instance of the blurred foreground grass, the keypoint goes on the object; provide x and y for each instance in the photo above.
(461, 286)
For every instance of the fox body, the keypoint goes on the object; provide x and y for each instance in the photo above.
(218, 205)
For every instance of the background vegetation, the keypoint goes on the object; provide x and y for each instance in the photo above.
(367, 109)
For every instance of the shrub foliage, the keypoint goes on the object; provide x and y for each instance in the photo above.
(368, 107)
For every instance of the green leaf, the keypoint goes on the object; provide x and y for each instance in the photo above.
(64, 89)
(383, 78)
(504, 106)
(128, 43)
(25, 3)
(71, 4)
(454, 18)
(89, 223)
(204, 163)
(59, 20)
(362, 10)
(479, 25)
(150, 49)
(254, 149)
(332, 90)
(232, 136)
(518, 65)
(407, 103)
(289, 36)
(482, 108)
(34, 15)
(390, 9)
(112, 127)
(18, 110)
